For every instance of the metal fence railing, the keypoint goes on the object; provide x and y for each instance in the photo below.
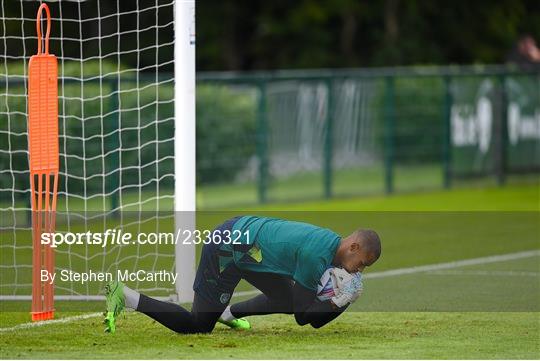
(325, 133)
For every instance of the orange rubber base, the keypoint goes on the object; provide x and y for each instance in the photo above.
(42, 316)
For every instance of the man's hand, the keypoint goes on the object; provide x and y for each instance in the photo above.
(348, 287)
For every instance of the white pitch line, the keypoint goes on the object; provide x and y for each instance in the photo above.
(23, 326)
(455, 264)
(383, 274)
(485, 273)
(246, 293)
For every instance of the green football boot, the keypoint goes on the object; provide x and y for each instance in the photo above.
(114, 293)
(237, 323)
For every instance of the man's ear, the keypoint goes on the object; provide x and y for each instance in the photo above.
(354, 247)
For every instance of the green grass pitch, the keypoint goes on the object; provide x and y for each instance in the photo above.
(474, 330)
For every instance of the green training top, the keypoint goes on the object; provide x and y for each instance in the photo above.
(294, 249)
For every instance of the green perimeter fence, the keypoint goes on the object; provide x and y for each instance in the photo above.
(323, 133)
(285, 135)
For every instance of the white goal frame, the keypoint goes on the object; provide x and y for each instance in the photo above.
(184, 143)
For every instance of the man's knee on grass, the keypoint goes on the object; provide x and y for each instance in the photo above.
(300, 319)
(316, 319)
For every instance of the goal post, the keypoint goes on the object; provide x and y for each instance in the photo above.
(184, 143)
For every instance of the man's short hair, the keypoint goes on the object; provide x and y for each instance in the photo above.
(369, 239)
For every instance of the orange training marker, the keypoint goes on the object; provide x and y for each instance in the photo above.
(44, 165)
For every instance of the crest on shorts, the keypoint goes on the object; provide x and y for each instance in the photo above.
(224, 298)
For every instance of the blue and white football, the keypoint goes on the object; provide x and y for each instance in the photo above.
(325, 287)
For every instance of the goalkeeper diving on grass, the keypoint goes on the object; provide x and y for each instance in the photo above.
(285, 260)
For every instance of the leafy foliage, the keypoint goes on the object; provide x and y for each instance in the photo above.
(225, 132)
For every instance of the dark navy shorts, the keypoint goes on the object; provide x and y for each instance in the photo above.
(213, 286)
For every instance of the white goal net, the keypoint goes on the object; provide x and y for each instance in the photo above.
(117, 136)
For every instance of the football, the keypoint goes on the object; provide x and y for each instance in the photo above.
(325, 288)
